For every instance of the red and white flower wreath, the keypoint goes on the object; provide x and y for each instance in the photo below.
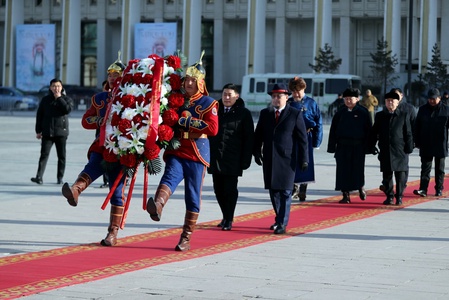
(142, 115)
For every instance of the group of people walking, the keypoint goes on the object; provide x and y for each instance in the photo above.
(219, 137)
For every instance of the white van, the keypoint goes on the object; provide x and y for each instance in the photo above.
(324, 88)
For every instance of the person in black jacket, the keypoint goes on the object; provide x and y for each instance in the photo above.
(393, 132)
(431, 137)
(280, 128)
(52, 127)
(230, 151)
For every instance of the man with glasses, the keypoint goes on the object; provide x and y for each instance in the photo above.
(279, 128)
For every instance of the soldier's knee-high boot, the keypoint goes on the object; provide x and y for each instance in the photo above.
(155, 206)
(189, 226)
(72, 193)
(114, 225)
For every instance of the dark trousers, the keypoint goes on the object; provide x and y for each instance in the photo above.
(46, 144)
(426, 167)
(226, 192)
(401, 181)
(281, 201)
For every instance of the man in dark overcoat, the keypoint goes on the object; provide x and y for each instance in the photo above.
(392, 131)
(230, 151)
(348, 139)
(280, 126)
(431, 137)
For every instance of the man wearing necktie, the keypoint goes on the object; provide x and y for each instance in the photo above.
(274, 150)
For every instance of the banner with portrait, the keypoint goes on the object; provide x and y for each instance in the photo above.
(35, 56)
(154, 38)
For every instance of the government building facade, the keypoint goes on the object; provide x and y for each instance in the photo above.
(239, 36)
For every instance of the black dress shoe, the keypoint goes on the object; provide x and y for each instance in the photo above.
(274, 226)
(227, 225)
(221, 223)
(280, 229)
(37, 180)
(59, 181)
(421, 193)
(362, 193)
(399, 201)
(388, 201)
(438, 193)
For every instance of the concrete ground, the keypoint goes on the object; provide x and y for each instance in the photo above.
(402, 254)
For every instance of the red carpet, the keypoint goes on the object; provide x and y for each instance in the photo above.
(32, 273)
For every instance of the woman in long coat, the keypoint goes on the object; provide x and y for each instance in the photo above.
(392, 131)
(314, 127)
(348, 139)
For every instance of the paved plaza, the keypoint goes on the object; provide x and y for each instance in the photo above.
(402, 254)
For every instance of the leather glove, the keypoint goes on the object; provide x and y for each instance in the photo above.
(258, 158)
(304, 166)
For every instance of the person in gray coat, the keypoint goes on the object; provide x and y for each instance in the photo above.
(230, 151)
(279, 127)
(392, 131)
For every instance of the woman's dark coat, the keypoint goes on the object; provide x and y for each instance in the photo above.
(52, 116)
(431, 130)
(349, 140)
(393, 134)
(276, 143)
(231, 148)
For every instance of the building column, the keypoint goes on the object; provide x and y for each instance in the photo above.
(428, 32)
(444, 42)
(255, 59)
(70, 70)
(191, 30)
(345, 45)
(392, 29)
(130, 16)
(323, 25)
(218, 49)
(280, 38)
(14, 15)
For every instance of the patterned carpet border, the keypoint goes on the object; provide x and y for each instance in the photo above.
(363, 210)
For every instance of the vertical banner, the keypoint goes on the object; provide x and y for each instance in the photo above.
(154, 38)
(35, 56)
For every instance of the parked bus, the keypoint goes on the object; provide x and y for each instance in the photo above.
(324, 88)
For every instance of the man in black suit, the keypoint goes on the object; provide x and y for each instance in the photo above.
(280, 126)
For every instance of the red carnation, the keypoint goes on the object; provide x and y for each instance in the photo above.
(152, 152)
(147, 79)
(115, 119)
(137, 79)
(109, 156)
(124, 124)
(138, 119)
(174, 62)
(127, 78)
(170, 117)
(175, 100)
(175, 82)
(165, 133)
(128, 101)
(129, 160)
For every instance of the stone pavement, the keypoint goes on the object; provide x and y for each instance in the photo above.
(403, 254)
